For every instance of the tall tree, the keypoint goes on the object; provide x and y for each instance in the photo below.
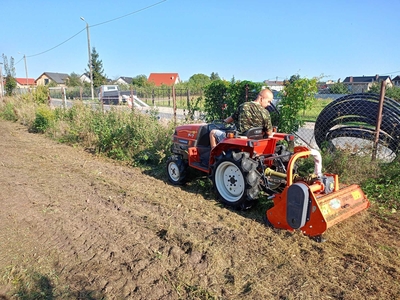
(9, 69)
(99, 78)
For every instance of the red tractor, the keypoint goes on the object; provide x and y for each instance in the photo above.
(240, 167)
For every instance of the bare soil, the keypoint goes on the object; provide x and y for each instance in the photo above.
(77, 226)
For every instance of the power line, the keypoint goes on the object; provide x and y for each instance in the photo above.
(134, 12)
(18, 61)
(98, 24)
(57, 45)
(395, 72)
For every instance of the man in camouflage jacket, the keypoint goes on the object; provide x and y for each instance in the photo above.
(248, 115)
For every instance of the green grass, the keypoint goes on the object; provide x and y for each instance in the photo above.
(312, 114)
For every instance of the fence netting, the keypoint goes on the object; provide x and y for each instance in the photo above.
(345, 121)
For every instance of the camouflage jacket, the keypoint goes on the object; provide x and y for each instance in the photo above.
(251, 114)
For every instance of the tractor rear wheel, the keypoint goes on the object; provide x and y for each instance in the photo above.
(236, 179)
(176, 170)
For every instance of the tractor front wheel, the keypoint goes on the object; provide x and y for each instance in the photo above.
(236, 179)
(176, 170)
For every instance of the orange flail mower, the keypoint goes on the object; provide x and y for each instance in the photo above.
(313, 205)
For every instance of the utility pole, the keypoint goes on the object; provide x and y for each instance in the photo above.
(26, 71)
(90, 58)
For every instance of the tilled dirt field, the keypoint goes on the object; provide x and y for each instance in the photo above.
(76, 226)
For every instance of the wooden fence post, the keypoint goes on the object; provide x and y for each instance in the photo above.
(174, 102)
(378, 120)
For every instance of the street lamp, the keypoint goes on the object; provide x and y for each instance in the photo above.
(90, 58)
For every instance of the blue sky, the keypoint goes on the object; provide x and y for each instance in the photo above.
(251, 40)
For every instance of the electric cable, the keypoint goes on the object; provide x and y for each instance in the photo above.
(98, 24)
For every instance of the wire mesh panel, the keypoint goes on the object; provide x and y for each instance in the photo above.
(349, 122)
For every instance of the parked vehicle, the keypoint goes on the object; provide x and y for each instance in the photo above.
(110, 94)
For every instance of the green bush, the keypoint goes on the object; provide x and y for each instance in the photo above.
(383, 186)
(131, 136)
(7, 112)
(44, 118)
(121, 135)
(40, 94)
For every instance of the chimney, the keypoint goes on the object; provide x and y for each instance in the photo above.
(351, 79)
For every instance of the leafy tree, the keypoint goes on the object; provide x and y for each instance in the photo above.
(73, 80)
(198, 81)
(216, 94)
(298, 95)
(339, 88)
(223, 97)
(393, 93)
(140, 81)
(390, 92)
(9, 68)
(240, 92)
(294, 78)
(214, 76)
(97, 69)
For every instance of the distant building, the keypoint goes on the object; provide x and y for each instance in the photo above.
(124, 80)
(47, 77)
(274, 85)
(396, 81)
(85, 77)
(160, 79)
(362, 84)
(25, 82)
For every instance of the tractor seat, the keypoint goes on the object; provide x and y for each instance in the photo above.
(255, 133)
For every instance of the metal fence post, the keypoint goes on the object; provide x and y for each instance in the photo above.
(131, 97)
(188, 97)
(64, 97)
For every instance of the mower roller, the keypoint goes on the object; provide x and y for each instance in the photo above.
(243, 167)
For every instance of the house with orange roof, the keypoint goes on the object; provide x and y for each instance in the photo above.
(25, 82)
(160, 79)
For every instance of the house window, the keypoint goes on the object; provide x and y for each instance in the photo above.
(46, 81)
